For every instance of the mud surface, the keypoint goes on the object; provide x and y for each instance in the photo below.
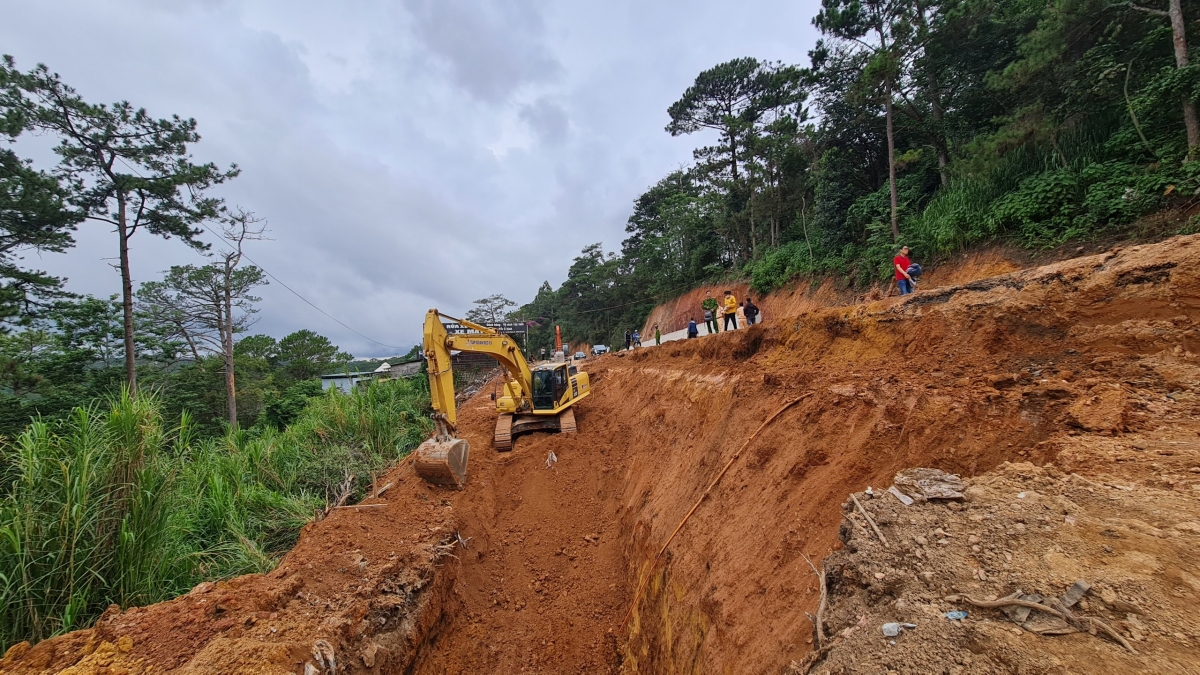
(1087, 364)
(541, 586)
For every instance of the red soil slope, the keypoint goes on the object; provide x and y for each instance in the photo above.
(1054, 364)
(801, 296)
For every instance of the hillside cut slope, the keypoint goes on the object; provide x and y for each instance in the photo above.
(1060, 381)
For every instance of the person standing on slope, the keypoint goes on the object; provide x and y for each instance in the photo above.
(731, 307)
(628, 340)
(741, 315)
(901, 263)
(657, 336)
(710, 312)
(751, 312)
(693, 331)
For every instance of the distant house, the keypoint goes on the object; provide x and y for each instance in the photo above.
(355, 373)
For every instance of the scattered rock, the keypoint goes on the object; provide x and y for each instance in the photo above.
(925, 484)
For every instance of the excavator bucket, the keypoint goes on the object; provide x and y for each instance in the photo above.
(442, 462)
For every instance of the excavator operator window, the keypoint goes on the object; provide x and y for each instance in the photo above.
(572, 371)
(560, 383)
(543, 390)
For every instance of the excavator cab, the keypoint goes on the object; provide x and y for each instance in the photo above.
(549, 387)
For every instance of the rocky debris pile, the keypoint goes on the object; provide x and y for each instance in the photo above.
(1093, 556)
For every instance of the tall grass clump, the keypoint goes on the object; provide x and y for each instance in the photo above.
(85, 519)
(115, 506)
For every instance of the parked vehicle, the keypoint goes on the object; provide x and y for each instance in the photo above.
(597, 350)
(579, 356)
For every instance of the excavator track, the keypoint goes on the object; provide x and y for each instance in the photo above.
(503, 437)
(566, 421)
(509, 426)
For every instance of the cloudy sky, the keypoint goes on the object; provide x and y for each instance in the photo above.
(406, 154)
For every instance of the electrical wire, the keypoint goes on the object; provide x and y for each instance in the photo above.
(277, 279)
(558, 316)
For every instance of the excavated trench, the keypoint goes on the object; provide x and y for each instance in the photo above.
(536, 565)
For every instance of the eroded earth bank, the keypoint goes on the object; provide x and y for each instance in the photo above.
(1065, 395)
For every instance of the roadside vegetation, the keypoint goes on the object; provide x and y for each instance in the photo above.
(121, 504)
(939, 124)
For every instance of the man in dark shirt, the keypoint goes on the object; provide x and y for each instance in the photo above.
(751, 311)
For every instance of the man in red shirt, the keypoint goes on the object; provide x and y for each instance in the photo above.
(901, 263)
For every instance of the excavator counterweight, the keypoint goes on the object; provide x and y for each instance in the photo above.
(533, 399)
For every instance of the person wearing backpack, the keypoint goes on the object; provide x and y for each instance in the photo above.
(751, 312)
(710, 312)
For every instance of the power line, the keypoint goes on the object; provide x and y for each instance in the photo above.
(276, 279)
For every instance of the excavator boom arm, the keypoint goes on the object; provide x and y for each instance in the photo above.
(438, 345)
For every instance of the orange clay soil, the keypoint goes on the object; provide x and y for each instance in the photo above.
(801, 296)
(1059, 364)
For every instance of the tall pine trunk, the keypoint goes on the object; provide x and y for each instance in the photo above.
(1179, 38)
(939, 135)
(891, 148)
(804, 225)
(227, 352)
(935, 105)
(753, 230)
(126, 294)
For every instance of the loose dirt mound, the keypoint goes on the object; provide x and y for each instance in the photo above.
(1073, 364)
(1024, 530)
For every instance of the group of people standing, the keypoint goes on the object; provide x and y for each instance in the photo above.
(740, 315)
(736, 315)
(634, 339)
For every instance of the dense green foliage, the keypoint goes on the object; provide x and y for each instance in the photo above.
(120, 506)
(123, 168)
(1025, 120)
(72, 355)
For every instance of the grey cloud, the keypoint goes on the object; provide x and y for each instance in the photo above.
(548, 121)
(492, 49)
(384, 143)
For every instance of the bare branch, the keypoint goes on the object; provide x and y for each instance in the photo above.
(1148, 10)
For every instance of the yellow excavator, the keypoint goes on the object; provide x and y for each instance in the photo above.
(534, 399)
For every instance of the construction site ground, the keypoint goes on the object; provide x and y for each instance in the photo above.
(1066, 396)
